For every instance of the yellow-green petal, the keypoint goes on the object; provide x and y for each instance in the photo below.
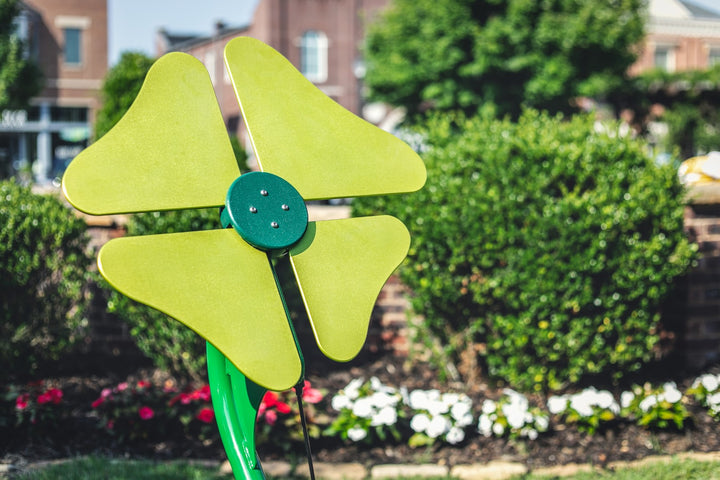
(341, 266)
(219, 286)
(302, 135)
(169, 151)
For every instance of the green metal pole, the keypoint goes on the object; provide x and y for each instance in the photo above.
(236, 401)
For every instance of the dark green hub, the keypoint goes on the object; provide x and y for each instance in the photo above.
(266, 211)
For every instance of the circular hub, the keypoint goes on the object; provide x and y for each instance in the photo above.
(266, 211)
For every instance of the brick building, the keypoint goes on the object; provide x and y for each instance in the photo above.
(322, 39)
(69, 41)
(681, 36)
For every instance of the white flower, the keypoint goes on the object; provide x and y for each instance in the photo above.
(542, 423)
(489, 407)
(378, 386)
(455, 435)
(530, 433)
(515, 415)
(356, 434)
(438, 426)
(485, 425)
(605, 400)
(450, 398)
(671, 393)
(420, 422)
(464, 421)
(437, 407)
(498, 429)
(557, 404)
(648, 402)
(386, 416)
(340, 402)
(713, 400)
(517, 400)
(352, 389)
(626, 399)
(418, 400)
(363, 408)
(460, 410)
(384, 399)
(582, 403)
(710, 382)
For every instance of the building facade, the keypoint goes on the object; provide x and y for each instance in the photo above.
(681, 36)
(69, 41)
(321, 38)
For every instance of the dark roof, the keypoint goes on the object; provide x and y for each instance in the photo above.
(182, 41)
(700, 12)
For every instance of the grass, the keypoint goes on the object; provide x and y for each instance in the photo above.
(673, 470)
(99, 468)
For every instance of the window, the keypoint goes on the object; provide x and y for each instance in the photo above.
(664, 58)
(313, 56)
(714, 56)
(73, 44)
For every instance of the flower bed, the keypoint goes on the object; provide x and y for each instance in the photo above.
(368, 413)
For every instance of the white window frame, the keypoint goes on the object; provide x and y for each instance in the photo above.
(314, 56)
(81, 24)
(669, 49)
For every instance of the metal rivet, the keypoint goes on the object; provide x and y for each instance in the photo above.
(274, 225)
(264, 193)
(253, 210)
(285, 207)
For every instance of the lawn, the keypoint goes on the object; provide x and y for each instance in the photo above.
(99, 468)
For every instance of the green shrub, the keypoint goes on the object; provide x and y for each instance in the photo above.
(168, 343)
(545, 245)
(44, 267)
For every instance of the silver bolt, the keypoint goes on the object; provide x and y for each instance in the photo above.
(253, 210)
(274, 225)
(285, 207)
(264, 193)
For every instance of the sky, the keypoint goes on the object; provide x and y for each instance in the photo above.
(133, 23)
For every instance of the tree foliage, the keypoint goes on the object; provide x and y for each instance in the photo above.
(120, 88)
(690, 107)
(500, 55)
(20, 77)
(544, 245)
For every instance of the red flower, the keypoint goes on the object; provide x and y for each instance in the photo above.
(21, 402)
(55, 395)
(206, 415)
(271, 400)
(98, 402)
(110, 424)
(143, 384)
(146, 413)
(44, 398)
(311, 395)
(204, 393)
(271, 417)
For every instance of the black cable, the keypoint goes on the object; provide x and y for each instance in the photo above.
(306, 435)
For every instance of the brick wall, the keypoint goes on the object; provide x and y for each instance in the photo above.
(702, 327)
